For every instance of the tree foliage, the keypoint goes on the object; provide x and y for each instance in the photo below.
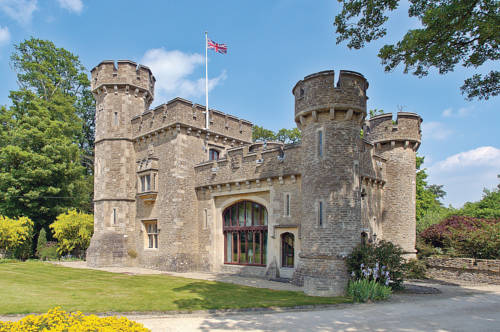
(260, 134)
(452, 32)
(43, 136)
(487, 207)
(49, 71)
(73, 230)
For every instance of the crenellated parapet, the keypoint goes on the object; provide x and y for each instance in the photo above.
(250, 165)
(192, 116)
(126, 76)
(317, 94)
(404, 130)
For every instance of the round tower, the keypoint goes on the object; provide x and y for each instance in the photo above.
(397, 141)
(121, 92)
(330, 117)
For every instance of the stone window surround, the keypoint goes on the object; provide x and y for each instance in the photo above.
(320, 150)
(320, 213)
(147, 234)
(287, 207)
(153, 178)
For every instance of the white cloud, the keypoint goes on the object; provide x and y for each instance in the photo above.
(460, 113)
(482, 156)
(74, 6)
(173, 69)
(465, 174)
(19, 10)
(4, 35)
(435, 130)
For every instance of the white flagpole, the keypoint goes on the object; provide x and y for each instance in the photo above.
(206, 82)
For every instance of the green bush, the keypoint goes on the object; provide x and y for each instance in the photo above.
(363, 290)
(382, 261)
(425, 249)
(48, 251)
(415, 269)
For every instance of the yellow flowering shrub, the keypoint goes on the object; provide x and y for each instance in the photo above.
(73, 231)
(58, 320)
(14, 232)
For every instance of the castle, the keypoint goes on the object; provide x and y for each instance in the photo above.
(176, 195)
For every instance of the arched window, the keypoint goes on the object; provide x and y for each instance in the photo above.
(213, 154)
(245, 234)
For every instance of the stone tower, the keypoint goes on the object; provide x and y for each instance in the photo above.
(330, 117)
(398, 141)
(121, 92)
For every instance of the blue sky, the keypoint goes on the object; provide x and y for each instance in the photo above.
(272, 45)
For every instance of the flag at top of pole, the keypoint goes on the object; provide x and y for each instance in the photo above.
(219, 48)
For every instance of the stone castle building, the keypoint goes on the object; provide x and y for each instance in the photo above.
(174, 195)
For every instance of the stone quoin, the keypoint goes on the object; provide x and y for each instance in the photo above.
(173, 195)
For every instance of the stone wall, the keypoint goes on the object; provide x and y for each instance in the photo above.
(467, 270)
(192, 115)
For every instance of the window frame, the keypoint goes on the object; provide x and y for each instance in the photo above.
(213, 151)
(254, 234)
(155, 235)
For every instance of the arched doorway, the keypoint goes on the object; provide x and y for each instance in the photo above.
(287, 250)
(245, 234)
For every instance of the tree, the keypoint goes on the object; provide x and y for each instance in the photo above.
(40, 170)
(288, 136)
(453, 32)
(49, 71)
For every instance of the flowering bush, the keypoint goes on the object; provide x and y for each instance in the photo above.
(466, 237)
(59, 320)
(382, 262)
(73, 230)
(15, 236)
(438, 234)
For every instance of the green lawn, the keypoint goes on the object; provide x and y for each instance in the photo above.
(35, 287)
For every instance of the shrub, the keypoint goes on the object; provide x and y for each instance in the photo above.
(377, 257)
(481, 243)
(73, 230)
(48, 251)
(415, 269)
(425, 249)
(438, 234)
(15, 237)
(363, 290)
(59, 320)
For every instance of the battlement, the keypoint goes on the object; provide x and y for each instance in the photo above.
(382, 128)
(127, 76)
(192, 115)
(318, 93)
(250, 163)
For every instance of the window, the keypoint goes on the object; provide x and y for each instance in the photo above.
(287, 205)
(114, 216)
(146, 183)
(320, 143)
(115, 119)
(245, 234)
(213, 154)
(320, 213)
(152, 234)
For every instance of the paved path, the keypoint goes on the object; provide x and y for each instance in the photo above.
(456, 309)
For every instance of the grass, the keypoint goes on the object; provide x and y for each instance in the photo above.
(32, 286)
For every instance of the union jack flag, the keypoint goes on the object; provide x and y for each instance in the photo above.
(219, 48)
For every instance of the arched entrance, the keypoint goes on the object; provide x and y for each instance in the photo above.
(287, 250)
(245, 234)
